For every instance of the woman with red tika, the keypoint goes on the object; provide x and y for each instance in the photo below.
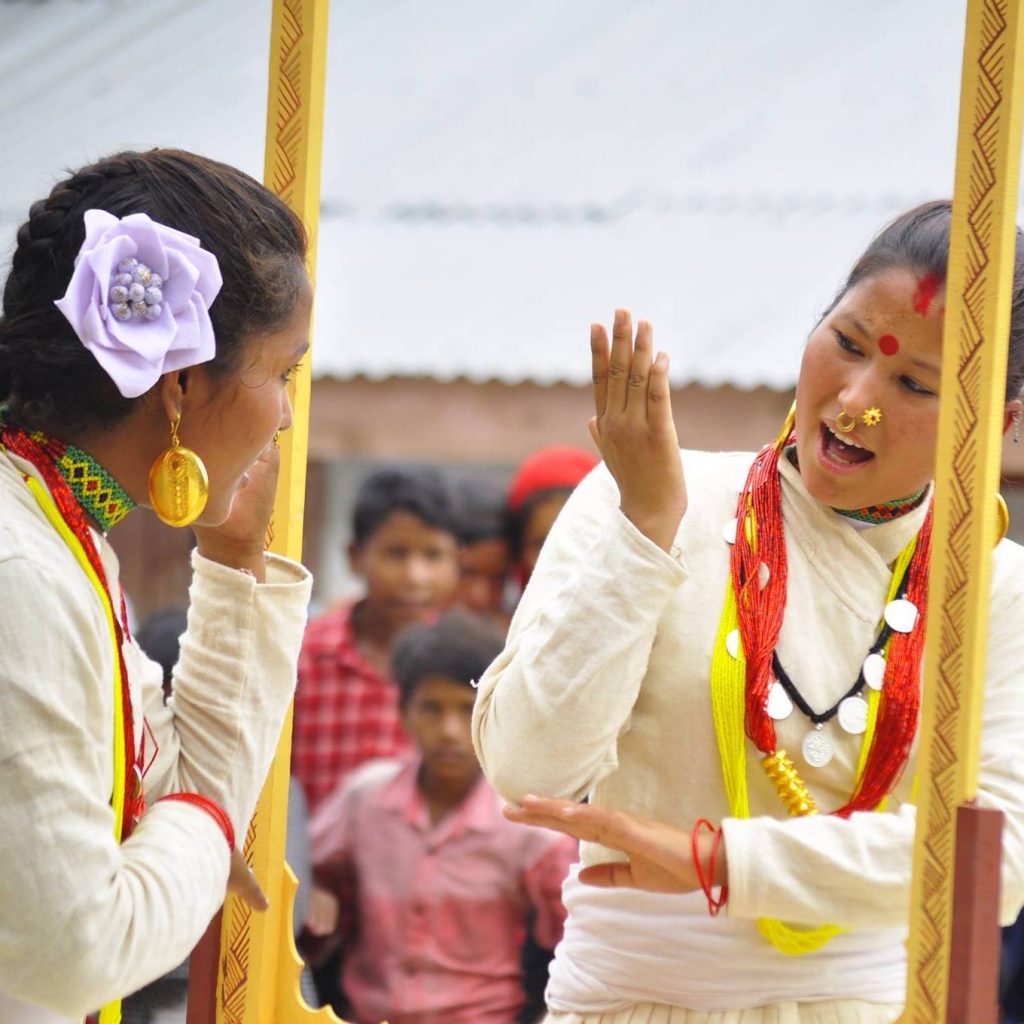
(722, 653)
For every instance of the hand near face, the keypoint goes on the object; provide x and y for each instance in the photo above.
(239, 541)
(634, 429)
(660, 856)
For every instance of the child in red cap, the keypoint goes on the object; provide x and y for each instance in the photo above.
(539, 489)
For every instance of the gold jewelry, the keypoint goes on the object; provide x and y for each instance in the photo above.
(1002, 518)
(872, 417)
(178, 484)
(845, 426)
(787, 428)
(276, 439)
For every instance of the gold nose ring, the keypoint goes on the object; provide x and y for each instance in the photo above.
(872, 417)
(845, 425)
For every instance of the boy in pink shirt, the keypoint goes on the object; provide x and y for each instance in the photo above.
(443, 883)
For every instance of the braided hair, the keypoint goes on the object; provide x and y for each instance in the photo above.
(48, 379)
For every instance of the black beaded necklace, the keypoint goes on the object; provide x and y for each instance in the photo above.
(820, 718)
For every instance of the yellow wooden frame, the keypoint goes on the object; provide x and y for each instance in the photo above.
(259, 968)
(258, 971)
(971, 413)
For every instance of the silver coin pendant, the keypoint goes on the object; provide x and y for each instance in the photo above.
(732, 643)
(853, 715)
(901, 615)
(779, 704)
(874, 671)
(817, 748)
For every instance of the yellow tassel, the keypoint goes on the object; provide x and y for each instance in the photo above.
(793, 941)
(728, 707)
(792, 789)
(111, 1013)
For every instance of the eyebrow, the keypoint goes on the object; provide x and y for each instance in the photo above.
(301, 349)
(921, 364)
(928, 365)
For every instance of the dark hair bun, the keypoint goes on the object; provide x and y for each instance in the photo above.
(48, 378)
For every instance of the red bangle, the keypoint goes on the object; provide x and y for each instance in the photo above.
(212, 808)
(707, 881)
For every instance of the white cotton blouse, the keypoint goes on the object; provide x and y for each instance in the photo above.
(83, 920)
(603, 690)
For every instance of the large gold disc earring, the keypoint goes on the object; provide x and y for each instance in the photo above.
(178, 484)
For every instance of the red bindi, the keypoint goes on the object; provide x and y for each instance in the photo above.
(888, 345)
(927, 288)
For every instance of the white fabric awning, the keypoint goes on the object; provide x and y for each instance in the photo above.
(496, 175)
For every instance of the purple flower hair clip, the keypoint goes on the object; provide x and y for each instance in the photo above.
(139, 299)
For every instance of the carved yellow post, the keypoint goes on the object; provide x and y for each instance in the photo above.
(970, 428)
(258, 967)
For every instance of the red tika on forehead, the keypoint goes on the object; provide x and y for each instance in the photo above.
(927, 288)
(888, 345)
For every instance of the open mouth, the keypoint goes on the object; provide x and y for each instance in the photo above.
(838, 454)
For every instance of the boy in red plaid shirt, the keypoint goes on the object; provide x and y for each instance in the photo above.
(346, 704)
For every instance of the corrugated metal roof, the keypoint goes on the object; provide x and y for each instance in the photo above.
(497, 175)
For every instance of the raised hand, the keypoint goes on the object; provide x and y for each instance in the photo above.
(634, 429)
(660, 856)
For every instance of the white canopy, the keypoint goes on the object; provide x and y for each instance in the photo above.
(499, 174)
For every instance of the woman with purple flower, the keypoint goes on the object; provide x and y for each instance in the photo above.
(156, 305)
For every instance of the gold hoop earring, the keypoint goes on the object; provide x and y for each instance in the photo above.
(178, 484)
(787, 428)
(872, 417)
(1002, 517)
(845, 426)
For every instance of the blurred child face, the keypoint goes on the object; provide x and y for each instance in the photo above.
(410, 568)
(538, 525)
(437, 716)
(483, 569)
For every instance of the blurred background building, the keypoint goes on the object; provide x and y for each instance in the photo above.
(498, 175)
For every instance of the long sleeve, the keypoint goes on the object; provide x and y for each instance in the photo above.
(103, 918)
(550, 709)
(605, 688)
(232, 684)
(820, 869)
(858, 872)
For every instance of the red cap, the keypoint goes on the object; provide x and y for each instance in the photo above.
(558, 466)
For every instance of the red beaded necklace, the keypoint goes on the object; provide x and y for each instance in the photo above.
(45, 453)
(761, 606)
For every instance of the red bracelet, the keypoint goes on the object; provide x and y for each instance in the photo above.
(213, 809)
(707, 881)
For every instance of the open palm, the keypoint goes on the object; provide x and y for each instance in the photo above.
(660, 856)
